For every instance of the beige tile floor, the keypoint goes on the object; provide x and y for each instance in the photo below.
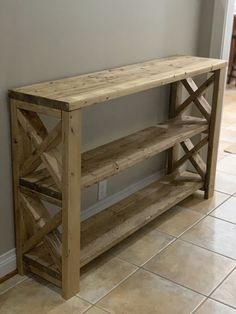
(183, 262)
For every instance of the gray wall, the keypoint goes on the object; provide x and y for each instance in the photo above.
(44, 40)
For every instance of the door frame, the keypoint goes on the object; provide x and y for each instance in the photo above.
(222, 23)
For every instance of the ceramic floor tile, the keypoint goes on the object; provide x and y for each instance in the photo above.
(191, 266)
(227, 165)
(197, 202)
(177, 220)
(213, 307)
(214, 234)
(225, 182)
(226, 211)
(95, 310)
(11, 282)
(35, 298)
(228, 133)
(144, 244)
(226, 293)
(100, 276)
(148, 293)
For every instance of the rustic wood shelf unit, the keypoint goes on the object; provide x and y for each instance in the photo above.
(49, 168)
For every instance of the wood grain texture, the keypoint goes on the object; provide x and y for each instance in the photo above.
(45, 173)
(214, 131)
(102, 231)
(84, 90)
(107, 228)
(16, 162)
(41, 217)
(39, 262)
(114, 157)
(176, 95)
(71, 132)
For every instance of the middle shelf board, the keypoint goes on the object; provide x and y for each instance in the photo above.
(112, 158)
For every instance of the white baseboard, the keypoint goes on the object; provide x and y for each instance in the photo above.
(7, 262)
(8, 259)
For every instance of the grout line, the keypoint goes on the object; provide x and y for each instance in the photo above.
(176, 283)
(86, 311)
(230, 273)
(230, 222)
(207, 249)
(162, 249)
(93, 306)
(199, 305)
(101, 308)
(232, 307)
(117, 285)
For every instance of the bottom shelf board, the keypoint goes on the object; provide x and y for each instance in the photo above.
(39, 262)
(107, 228)
(104, 230)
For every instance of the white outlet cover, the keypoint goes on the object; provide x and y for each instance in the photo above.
(102, 189)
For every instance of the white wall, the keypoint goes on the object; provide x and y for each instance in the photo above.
(43, 40)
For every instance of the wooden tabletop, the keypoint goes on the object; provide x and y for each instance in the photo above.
(80, 91)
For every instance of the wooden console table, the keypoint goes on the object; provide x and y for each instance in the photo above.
(45, 173)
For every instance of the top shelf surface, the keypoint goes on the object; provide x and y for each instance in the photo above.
(80, 91)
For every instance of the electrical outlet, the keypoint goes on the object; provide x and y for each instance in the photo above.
(102, 189)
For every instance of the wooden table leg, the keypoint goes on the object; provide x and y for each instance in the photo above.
(71, 185)
(214, 131)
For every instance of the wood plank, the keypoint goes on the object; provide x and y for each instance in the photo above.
(52, 224)
(41, 217)
(43, 196)
(200, 101)
(71, 126)
(195, 159)
(107, 228)
(214, 131)
(102, 231)
(16, 162)
(190, 153)
(37, 131)
(42, 182)
(50, 141)
(176, 95)
(84, 90)
(111, 158)
(196, 96)
(51, 112)
(39, 262)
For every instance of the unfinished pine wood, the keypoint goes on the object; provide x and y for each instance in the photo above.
(48, 111)
(195, 159)
(41, 217)
(16, 161)
(50, 141)
(196, 95)
(45, 173)
(189, 152)
(107, 228)
(176, 94)
(40, 181)
(52, 224)
(104, 230)
(34, 127)
(214, 130)
(39, 262)
(88, 89)
(111, 158)
(71, 130)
